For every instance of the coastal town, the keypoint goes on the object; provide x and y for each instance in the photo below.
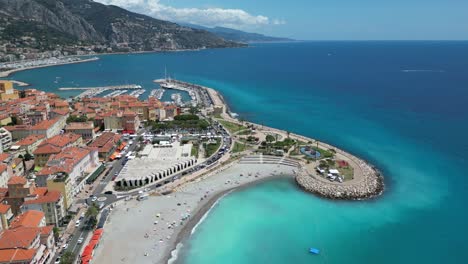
(76, 172)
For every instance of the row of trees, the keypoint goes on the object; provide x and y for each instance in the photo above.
(68, 257)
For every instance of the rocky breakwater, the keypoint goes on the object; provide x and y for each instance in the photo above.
(369, 185)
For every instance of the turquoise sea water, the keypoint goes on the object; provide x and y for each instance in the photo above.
(400, 105)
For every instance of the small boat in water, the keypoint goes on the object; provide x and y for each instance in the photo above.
(314, 251)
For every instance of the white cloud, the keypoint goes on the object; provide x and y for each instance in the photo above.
(233, 18)
(278, 22)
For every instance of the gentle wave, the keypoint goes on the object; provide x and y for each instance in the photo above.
(422, 70)
(207, 212)
(175, 253)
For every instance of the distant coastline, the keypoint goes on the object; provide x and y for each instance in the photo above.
(8, 72)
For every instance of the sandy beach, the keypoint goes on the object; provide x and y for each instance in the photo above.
(148, 231)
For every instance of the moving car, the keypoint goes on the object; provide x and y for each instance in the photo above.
(80, 240)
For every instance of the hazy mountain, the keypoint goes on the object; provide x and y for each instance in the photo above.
(238, 35)
(44, 24)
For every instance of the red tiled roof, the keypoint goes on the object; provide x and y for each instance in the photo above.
(4, 208)
(106, 141)
(50, 197)
(31, 139)
(17, 255)
(31, 218)
(47, 229)
(59, 103)
(3, 167)
(65, 161)
(79, 125)
(46, 124)
(40, 191)
(21, 237)
(47, 149)
(62, 140)
(4, 156)
(17, 180)
(17, 127)
(62, 112)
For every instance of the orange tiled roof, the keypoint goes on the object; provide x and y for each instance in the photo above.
(21, 237)
(4, 156)
(45, 230)
(31, 139)
(67, 160)
(17, 180)
(47, 149)
(59, 103)
(106, 141)
(50, 197)
(4, 208)
(17, 255)
(79, 125)
(46, 124)
(17, 127)
(60, 111)
(62, 140)
(31, 218)
(3, 167)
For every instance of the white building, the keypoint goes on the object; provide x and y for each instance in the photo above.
(5, 139)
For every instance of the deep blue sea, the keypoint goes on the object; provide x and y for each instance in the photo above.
(401, 105)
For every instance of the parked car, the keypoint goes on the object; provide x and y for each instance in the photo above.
(57, 260)
(108, 192)
(93, 199)
(78, 222)
(65, 246)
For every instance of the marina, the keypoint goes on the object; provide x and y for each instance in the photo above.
(115, 93)
(95, 91)
(157, 93)
(197, 93)
(138, 93)
(177, 98)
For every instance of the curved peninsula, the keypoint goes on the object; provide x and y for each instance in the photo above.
(323, 169)
(172, 202)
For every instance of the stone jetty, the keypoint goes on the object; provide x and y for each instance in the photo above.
(369, 186)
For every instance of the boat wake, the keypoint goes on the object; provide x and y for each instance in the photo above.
(422, 71)
(175, 253)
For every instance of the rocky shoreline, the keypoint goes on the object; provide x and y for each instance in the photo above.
(370, 186)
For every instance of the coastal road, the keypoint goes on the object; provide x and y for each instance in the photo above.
(82, 230)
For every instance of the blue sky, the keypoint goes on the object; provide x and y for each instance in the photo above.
(319, 19)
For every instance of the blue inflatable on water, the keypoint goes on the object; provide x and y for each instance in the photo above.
(315, 251)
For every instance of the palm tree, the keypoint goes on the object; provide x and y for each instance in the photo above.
(67, 258)
(92, 213)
